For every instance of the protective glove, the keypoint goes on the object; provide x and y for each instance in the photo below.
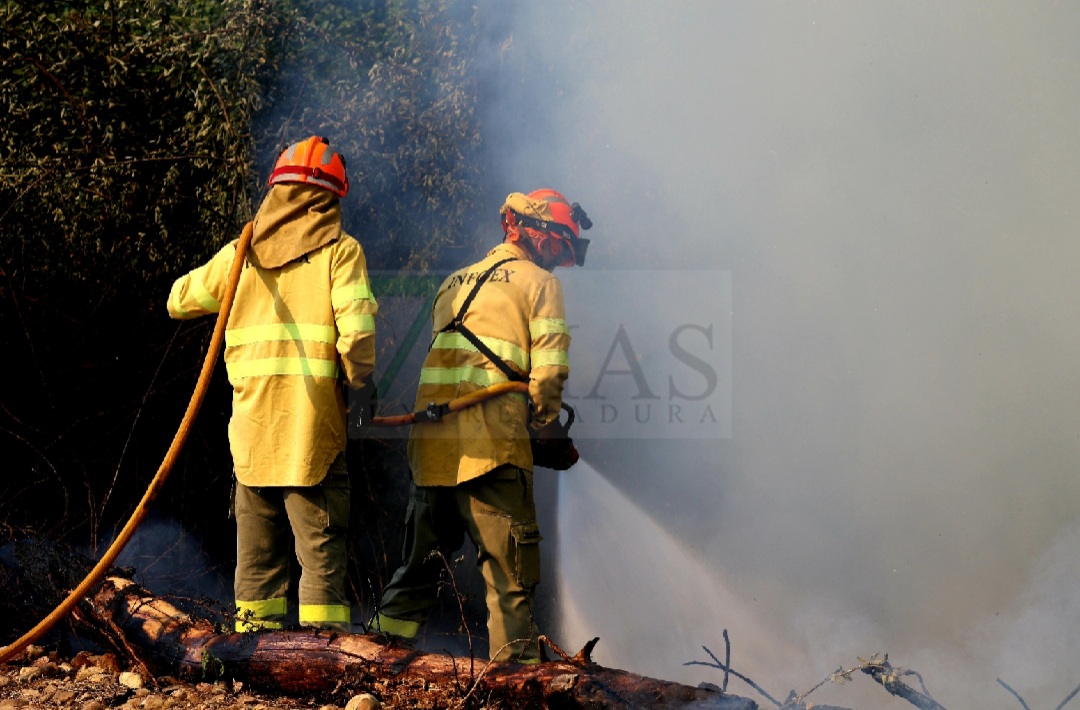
(365, 401)
(552, 446)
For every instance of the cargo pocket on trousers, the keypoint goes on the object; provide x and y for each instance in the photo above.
(337, 493)
(526, 540)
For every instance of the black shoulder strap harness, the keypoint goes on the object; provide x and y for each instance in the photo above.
(457, 325)
(552, 447)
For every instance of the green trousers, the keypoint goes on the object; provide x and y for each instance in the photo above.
(272, 522)
(498, 513)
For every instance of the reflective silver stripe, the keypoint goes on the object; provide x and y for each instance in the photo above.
(550, 358)
(361, 322)
(265, 367)
(297, 175)
(503, 348)
(323, 183)
(548, 326)
(281, 331)
(353, 292)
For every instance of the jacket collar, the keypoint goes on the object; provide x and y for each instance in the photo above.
(506, 250)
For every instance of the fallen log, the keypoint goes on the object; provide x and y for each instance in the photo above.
(166, 641)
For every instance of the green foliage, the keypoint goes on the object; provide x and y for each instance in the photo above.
(128, 138)
(212, 666)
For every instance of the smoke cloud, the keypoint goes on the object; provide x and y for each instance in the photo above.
(892, 189)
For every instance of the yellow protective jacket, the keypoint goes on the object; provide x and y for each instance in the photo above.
(303, 315)
(518, 313)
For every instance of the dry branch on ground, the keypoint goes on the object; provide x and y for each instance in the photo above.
(320, 663)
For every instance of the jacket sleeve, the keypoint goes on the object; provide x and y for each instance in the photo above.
(548, 353)
(354, 312)
(200, 291)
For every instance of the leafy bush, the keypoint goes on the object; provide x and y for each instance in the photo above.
(129, 132)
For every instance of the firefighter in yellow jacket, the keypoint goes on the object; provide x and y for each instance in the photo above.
(472, 470)
(303, 319)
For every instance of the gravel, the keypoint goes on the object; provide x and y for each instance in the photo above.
(39, 678)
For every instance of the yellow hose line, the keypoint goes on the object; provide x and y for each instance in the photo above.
(455, 405)
(156, 485)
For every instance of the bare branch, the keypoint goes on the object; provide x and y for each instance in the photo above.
(213, 86)
(727, 658)
(889, 677)
(722, 666)
(1068, 697)
(461, 610)
(1016, 695)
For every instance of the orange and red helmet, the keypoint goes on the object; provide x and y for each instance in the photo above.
(312, 162)
(551, 221)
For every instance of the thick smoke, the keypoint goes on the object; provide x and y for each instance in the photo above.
(891, 188)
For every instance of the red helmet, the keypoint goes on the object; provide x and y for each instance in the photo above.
(560, 207)
(548, 215)
(311, 161)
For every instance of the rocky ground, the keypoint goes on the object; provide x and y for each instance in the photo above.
(42, 679)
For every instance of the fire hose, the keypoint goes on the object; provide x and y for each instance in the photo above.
(432, 414)
(435, 412)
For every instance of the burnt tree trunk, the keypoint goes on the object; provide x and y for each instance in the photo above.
(169, 642)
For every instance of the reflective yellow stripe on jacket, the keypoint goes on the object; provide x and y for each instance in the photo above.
(356, 307)
(292, 332)
(275, 349)
(505, 349)
(519, 316)
(200, 291)
(354, 317)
